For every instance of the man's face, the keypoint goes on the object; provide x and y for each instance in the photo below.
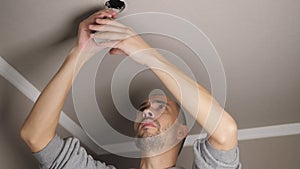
(156, 115)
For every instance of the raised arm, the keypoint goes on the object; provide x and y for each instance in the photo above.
(40, 125)
(198, 101)
(195, 98)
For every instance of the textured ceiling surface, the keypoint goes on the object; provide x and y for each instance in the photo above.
(258, 43)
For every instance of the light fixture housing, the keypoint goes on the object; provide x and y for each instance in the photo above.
(116, 5)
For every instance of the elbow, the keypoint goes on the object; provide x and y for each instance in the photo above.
(233, 131)
(34, 141)
(31, 141)
(230, 135)
(26, 137)
(22, 133)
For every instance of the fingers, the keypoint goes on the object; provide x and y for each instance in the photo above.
(108, 28)
(110, 32)
(106, 13)
(108, 44)
(109, 22)
(98, 15)
(110, 36)
(101, 15)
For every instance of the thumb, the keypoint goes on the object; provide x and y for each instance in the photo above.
(115, 51)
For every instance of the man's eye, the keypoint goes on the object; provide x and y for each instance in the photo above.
(162, 106)
(142, 109)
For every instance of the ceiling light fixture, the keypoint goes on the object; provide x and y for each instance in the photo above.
(116, 5)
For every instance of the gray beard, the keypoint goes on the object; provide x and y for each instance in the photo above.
(157, 143)
(153, 144)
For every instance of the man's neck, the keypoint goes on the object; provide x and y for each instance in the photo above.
(161, 161)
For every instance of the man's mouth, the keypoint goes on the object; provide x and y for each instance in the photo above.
(147, 124)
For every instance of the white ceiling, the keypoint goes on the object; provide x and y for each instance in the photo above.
(258, 43)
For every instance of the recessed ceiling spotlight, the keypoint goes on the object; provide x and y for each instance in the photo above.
(116, 5)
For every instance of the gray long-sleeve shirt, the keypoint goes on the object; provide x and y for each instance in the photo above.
(68, 154)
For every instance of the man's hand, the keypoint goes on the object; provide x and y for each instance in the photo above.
(122, 39)
(85, 43)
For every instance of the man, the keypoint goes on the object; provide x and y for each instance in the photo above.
(157, 126)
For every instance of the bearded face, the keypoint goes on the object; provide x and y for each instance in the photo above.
(148, 136)
(154, 119)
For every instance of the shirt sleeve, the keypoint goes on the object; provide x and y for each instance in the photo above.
(67, 154)
(207, 157)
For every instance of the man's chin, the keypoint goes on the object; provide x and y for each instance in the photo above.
(150, 143)
(146, 135)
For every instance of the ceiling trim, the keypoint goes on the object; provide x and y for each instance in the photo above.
(269, 131)
(243, 134)
(31, 92)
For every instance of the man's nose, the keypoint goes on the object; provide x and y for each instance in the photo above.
(147, 113)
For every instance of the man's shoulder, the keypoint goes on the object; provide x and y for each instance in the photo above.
(207, 157)
(68, 153)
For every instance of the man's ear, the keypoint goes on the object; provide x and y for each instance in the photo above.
(182, 131)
